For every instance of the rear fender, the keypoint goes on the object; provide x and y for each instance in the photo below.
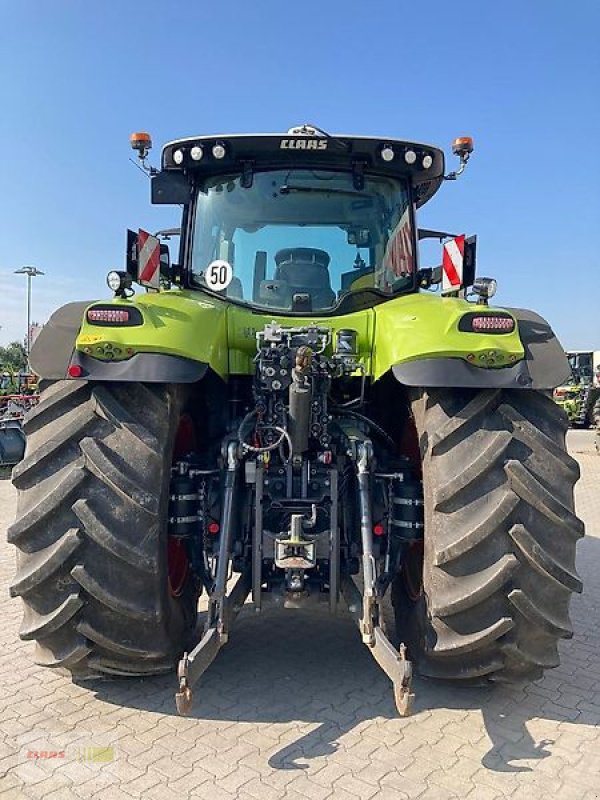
(419, 339)
(176, 342)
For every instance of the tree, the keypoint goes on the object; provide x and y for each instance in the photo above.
(13, 357)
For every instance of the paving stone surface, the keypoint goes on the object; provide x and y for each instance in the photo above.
(295, 708)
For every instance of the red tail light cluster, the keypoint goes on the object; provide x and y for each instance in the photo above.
(113, 315)
(107, 315)
(486, 323)
(489, 323)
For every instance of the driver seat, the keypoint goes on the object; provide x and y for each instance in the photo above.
(305, 270)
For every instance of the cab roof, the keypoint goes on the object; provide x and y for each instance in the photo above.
(423, 163)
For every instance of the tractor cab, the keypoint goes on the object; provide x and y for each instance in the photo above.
(302, 222)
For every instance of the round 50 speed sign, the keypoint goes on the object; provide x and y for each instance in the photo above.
(218, 275)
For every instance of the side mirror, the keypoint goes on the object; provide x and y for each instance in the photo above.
(429, 276)
(170, 188)
(131, 255)
(169, 272)
(165, 261)
(360, 237)
(469, 262)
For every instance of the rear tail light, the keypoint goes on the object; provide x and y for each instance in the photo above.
(489, 323)
(486, 323)
(105, 315)
(114, 315)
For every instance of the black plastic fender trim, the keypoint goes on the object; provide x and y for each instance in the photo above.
(454, 372)
(144, 367)
(52, 350)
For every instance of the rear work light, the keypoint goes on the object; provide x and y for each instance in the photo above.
(114, 315)
(486, 323)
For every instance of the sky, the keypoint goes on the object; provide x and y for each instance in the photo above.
(522, 77)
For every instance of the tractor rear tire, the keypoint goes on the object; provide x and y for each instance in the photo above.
(500, 537)
(91, 530)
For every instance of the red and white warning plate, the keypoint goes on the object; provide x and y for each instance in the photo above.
(452, 264)
(148, 260)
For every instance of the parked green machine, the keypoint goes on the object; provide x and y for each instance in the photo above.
(580, 395)
(291, 406)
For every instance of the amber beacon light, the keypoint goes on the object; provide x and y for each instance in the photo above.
(462, 144)
(142, 142)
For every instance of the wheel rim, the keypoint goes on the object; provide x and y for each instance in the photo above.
(178, 563)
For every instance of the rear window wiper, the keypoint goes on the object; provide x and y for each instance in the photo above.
(287, 189)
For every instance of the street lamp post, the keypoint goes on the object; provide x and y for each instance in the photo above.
(31, 272)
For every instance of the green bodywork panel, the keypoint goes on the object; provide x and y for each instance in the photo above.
(204, 328)
(419, 326)
(243, 323)
(181, 323)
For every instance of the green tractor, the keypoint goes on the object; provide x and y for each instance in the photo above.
(289, 414)
(580, 395)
